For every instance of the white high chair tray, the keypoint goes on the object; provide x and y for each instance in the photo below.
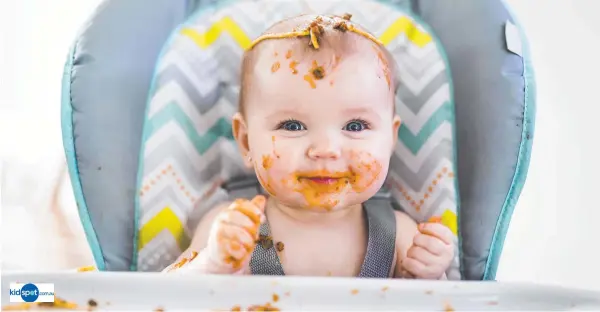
(152, 291)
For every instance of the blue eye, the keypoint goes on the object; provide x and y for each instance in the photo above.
(356, 125)
(291, 125)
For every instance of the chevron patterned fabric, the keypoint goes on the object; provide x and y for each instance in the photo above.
(188, 146)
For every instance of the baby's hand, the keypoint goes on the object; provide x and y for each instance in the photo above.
(233, 236)
(431, 253)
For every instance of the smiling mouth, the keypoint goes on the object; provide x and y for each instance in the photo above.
(322, 180)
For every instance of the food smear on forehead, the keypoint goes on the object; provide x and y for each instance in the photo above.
(275, 67)
(293, 65)
(316, 29)
(385, 66)
(311, 82)
(317, 71)
(288, 54)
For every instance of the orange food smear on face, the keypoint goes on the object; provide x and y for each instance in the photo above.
(267, 162)
(288, 54)
(365, 171)
(318, 72)
(361, 175)
(308, 78)
(274, 151)
(266, 184)
(275, 67)
(293, 65)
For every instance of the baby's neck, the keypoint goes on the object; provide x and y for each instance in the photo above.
(306, 216)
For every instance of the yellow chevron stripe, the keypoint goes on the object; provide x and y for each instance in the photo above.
(226, 24)
(405, 25)
(165, 219)
(449, 219)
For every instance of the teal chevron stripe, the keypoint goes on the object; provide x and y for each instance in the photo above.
(415, 142)
(172, 111)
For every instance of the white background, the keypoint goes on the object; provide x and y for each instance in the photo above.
(555, 232)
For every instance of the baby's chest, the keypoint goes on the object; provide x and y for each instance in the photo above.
(321, 254)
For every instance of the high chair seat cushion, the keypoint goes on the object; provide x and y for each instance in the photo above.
(188, 149)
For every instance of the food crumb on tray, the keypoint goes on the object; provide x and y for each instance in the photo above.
(257, 307)
(57, 304)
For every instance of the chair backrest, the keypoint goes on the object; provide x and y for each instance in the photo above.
(186, 150)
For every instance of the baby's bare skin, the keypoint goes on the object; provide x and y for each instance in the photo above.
(320, 143)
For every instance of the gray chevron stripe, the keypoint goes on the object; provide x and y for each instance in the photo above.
(166, 195)
(231, 94)
(202, 102)
(416, 67)
(177, 152)
(206, 64)
(416, 180)
(225, 56)
(416, 102)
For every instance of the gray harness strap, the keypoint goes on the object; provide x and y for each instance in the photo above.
(381, 244)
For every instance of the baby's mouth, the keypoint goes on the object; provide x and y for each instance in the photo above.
(322, 180)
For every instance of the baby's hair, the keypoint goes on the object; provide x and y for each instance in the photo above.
(322, 33)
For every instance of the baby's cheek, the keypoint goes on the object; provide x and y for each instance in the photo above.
(367, 171)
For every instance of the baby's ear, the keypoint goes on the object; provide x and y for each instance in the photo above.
(240, 134)
(396, 122)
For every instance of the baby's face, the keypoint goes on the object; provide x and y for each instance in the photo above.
(323, 140)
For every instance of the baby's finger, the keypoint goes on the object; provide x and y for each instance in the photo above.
(260, 202)
(432, 244)
(234, 248)
(229, 232)
(422, 255)
(418, 269)
(438, 230)
(237, 218)
(248, 208)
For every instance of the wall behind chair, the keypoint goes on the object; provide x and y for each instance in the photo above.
(555, 226)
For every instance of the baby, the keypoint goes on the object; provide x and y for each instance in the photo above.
(317, 123)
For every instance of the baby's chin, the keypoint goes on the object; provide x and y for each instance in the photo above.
(324, 204)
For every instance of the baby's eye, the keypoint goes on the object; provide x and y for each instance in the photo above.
(291, 125)
(356, 126)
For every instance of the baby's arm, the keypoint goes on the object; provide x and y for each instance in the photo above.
(224, 239)
(424, 251)
(200, 237)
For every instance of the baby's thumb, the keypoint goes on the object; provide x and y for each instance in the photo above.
(259, 201)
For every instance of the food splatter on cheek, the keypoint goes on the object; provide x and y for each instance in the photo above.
(366, 170)
(267, 183)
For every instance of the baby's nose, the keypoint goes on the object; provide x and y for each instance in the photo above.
(324, 147)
